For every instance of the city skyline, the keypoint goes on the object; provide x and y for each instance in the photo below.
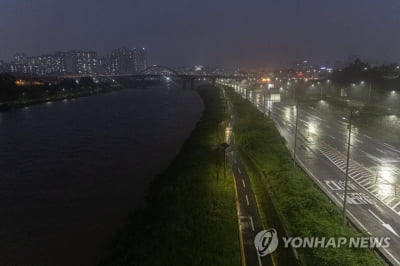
(178, 33)
(118, 61)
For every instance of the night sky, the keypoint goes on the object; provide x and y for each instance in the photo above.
(211, 32)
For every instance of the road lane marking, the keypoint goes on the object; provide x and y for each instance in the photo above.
(251, 222)
(390, 147)
(239, 170)
(386, 225)
(247, 200)
(239, 224)
(355, 219)
(397, 204)
(358, 173)
(390, 201)
(243, 183)
(339, 203)
(371, 186)
(381, 151)
(375, 190)
(390, 254)
(365, 135)
(385, 198)
(376, 216)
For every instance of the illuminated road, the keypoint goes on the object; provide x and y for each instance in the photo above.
(373, 199)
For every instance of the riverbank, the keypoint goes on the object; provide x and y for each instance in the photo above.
(7, 106)
(304, 209)
(190, 215)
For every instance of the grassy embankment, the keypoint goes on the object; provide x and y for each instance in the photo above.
(190, 217)
(304, 209)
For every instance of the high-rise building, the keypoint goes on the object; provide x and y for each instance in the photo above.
(20, 58)
(141, 59)
(123, 61)
(70, 62)
(86, 63)
(104, 66)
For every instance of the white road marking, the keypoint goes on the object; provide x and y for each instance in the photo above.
(243, 183)
(382, 151)
(385, 199)
(251, 222)
(387, 226)
(247, 200)
(365, 135)
(397, 204)
(390, 228)
(371, 186)
(353, 217)
(356, 175)
(390, 147)
(239, 170)
(390, 201)
(390, 254)
(375, 190)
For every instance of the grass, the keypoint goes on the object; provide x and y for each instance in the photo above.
(305, 210)
(190, 217)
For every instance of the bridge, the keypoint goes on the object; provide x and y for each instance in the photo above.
(188, 80)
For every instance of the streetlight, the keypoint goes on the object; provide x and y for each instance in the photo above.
(266, 100)
(347, 168)
(296, 130)
(347, 162)
(369, 93)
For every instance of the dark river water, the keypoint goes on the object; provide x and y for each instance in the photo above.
(71, 171)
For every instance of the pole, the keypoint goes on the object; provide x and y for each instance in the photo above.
(265, 109)
(321, 92)
(269, 108)
(347, 169)
(369, 94)
(295, 136)
(294, 95)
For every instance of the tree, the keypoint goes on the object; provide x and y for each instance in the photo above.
(68, 84)
(8, 88)
(87, 83)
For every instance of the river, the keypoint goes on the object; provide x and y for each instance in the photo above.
(71, 171)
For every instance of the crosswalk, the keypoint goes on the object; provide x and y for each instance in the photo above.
(384, 192)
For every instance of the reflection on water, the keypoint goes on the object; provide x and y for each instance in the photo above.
(72, 170)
